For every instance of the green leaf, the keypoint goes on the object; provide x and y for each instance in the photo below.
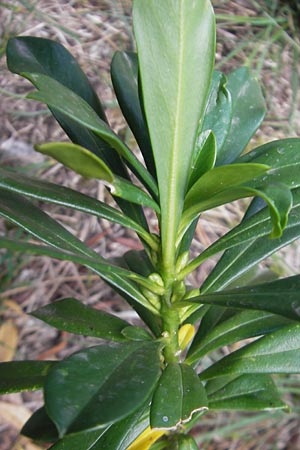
(248, 108)
(44, 56)
(218, 112)
(124, 75)
(104, 384)
(185, 443)
(284, 158)
(39, 427)
(71, 315)
(247, 392)
(178, 396)
(239, 259)
(278, 297)
(121, 434)
(62, 99)
(242, 325)
(278, 352)
(25, 214)
(60, 195)
(78, 159)
(114, 275)
(136, 334)
(18, 376)
(205, 158)
(170, 37)
(82, 440)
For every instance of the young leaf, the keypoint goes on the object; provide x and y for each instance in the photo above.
(71, 315)
(205, 157)
(60, 195)
(242, 325)
(278, 297)
(105, 383)
(67, 102)
(247, 392)
(17, 376)
(124, 75)
(175, 103)
(178, 396)
(278, 352)
(248, 108)
(89, 165)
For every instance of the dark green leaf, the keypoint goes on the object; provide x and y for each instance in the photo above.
(178, 396)
(71, 315)
(247, 392)
(218, 113)
(248, 107)
(39, 427)
(136, 334)
(104, 384)
(120, 435)
(38, 55)
(17, 376)
(278, 297)
(242, 325)
(124, 75)
(83, 440)
(67, 102)
(61, 195)
(278, 352)
(32, 219)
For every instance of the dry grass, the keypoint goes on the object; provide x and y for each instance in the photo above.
(92, 31)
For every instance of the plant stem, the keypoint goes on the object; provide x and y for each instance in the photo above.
(170, 326)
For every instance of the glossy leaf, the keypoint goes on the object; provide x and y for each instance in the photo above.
(257, 225)
(238, 260)
(178, 396)
(71, 315)
(67, 102)
(172, 108)
(205, 158)
(278, 352)
(82, 440)
(78, 159)
(39, 427)
(218, 112)
(248, 111)
(278, 297)
(114, 275)
(124, 75)
(247, 392)
(25, 214)
(60, 195)
(105, 383)
(284, 158)
(242, 325)
(17, 376)
(122, 434)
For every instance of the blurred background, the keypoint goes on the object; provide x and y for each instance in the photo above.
(262, 34)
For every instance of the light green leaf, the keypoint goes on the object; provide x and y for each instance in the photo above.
(176, 44)
(246, 392)
(71, 315)
(67, 102)
(104, 385)
(178, 396)
(205, 157)
(77, 158)
(18, 376)
(278, 352)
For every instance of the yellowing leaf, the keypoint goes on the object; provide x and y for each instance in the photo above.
(185, 335)
(8, 341)
(146, 439)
